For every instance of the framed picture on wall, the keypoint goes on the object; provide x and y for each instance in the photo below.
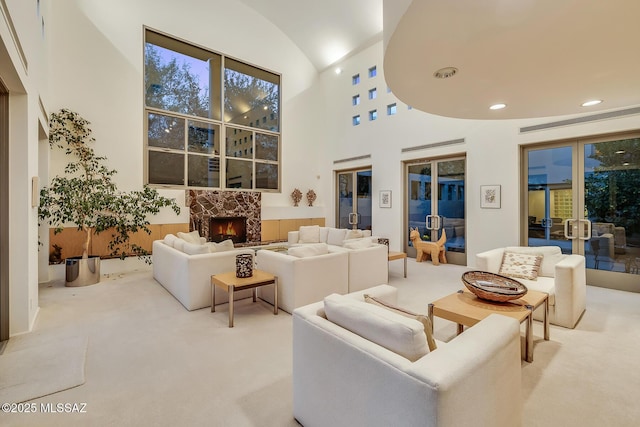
(490, 196)
(385, 198)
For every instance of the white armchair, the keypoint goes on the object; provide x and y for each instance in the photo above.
(562, 276)
(368, 266)
(302, 281)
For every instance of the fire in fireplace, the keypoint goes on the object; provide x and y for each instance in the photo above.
(230, 227)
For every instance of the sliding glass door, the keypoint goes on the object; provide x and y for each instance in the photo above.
(584, 196)
(354, 199)
(436, 204)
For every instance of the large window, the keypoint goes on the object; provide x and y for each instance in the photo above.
(212, 121)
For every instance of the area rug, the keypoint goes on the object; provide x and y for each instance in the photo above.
(42, 370)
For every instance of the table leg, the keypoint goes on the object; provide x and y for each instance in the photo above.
(275, 295)
(546, 319)
(213, 296)
(430, 315)
(528, 344)
(405, 267)
(460, 328)
(255, 294)
(231, 306)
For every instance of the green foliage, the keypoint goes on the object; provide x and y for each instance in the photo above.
(88, 197)
(613, 186)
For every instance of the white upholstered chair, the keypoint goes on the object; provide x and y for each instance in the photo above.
(562, 276)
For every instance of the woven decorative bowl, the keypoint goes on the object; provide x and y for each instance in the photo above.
(493, 287)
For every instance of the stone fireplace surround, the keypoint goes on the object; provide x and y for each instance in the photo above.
(204, 204)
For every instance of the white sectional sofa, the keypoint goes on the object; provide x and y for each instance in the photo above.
(188, 276)
(562, 276)
(303, 280)
(341, 378)
(368, 260)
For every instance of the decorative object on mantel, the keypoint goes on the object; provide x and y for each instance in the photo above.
(244, 265)
(296, 196)
(311, 197)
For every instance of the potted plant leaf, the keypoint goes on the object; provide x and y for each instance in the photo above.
(87, 196)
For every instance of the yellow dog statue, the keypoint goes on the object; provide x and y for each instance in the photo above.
(426, 250)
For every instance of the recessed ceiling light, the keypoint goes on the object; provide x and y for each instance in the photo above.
(592, 102)
(620, 152)
(338, 70)
(625, 164)
(497, 106)
(445, 73)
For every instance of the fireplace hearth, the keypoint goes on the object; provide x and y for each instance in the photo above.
(228, 227)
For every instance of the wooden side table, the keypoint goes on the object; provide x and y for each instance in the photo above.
(230, 283)
(399, 255)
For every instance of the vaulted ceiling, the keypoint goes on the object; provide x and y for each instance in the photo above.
(539, 57)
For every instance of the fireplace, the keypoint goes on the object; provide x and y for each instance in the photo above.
(228, 227)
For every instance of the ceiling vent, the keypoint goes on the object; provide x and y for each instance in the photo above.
(445, 73)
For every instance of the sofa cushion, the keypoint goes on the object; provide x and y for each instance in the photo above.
(309, 250)
(192, 237)
(193, 249)
(354, 234)
(390, 330)
(309, 234)
(324, 234)
(365, 242)
(542, 284)
(520, 265)
(401, 311)
(336, 236)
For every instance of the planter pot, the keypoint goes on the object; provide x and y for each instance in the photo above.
(82, 272)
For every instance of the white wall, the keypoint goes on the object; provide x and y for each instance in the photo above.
(22, 65)
(491, 147)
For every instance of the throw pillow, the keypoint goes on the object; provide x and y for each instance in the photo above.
(392, 331)
(178, 244)
(193, 249)
(365, 242)
(225, 245)
(336, 236)
(169, 239)
(309, 234)
(401, 311)
(192, 237)
(309, 250)
(354, 234)
(519, 265)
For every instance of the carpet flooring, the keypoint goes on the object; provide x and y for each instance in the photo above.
(43, 369)
(149, 362)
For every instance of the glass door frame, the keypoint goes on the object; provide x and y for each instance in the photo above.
(459, 258)
(355, 211)
(580, 227)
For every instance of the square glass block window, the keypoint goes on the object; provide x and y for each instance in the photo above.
(355, 100)
(373, 93)
(355, 120)
(392, 109)
(373, 114)
(373, 71)
(355, 79)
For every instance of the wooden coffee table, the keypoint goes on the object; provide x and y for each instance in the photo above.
(230, 283)
(398, 255)
(466, 309)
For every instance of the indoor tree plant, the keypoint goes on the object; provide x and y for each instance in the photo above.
(87, 196)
